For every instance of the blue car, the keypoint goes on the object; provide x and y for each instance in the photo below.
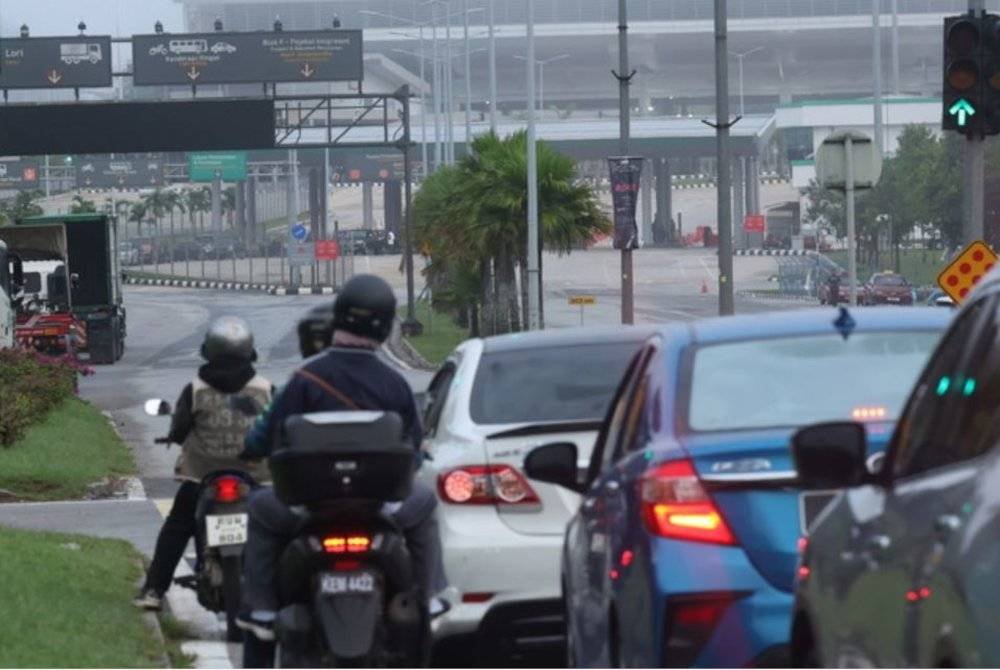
(683, 551)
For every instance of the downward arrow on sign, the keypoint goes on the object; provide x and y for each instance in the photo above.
(307, 70)
(54, 77)
(193, 73)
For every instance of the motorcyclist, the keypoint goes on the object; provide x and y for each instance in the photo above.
(211, 435)
(833, 288)
(316, 330)
(348, 373)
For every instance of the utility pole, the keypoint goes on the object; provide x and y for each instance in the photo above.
(534, 270)
(468, 79)
(724, 179)
(624, 130)
(877, 71)
(896, 84)
(493, 69)
(974, 149)
(436, 65)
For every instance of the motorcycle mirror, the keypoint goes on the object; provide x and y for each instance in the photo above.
(74, 280)
(157, 407)
(244, 404)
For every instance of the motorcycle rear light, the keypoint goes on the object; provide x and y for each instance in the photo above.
(229, 489)
(676, 505)
(486, 485)
(346, 566)
(476, 597)
(690, 622)
(347, 544)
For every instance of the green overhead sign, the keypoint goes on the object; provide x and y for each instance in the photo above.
(229, 165)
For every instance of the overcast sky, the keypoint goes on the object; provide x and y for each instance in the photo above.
(103, 17)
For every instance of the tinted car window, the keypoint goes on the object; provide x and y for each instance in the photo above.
(569, 383)
(793, 381)
(922, 435)
(32, 282)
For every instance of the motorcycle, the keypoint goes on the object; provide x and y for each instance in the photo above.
(221, 517)
(346, 587)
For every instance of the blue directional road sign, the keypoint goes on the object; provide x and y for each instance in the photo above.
(300, 232)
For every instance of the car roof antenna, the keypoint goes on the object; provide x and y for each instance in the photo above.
(845, 323)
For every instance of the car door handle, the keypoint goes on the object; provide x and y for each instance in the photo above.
(946, 524)
(611, 486)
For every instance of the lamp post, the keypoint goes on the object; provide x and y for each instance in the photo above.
(739, 58)
(541, 63)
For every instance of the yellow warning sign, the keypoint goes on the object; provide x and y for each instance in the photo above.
(966, 270)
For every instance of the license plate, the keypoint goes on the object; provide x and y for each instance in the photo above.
(223, 529)
(811, 505)
(334, 583)
(894, 299)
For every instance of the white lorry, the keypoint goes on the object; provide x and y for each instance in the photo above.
(74, 54)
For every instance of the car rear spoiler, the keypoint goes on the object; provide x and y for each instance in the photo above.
(547, 428)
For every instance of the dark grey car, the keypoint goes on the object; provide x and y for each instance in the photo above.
(903, 568)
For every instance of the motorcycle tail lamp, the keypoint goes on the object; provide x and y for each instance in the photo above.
(347, 544)
(676, 505)
(486, 485)
(228, 489)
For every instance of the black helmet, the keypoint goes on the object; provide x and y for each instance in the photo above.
(316, 330)
(365, 306)
(228, 337)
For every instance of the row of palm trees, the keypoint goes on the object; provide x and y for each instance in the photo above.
(162, 204)
(470, 221)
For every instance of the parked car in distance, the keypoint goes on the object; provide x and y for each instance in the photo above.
(939, 298)
(888, 288)
(683, 551)
(900, 570)
(491, 401)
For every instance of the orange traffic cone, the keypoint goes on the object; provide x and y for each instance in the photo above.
(704, 286)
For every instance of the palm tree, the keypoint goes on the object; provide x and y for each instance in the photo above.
(472, 218)
(81, 205)
(137, 214)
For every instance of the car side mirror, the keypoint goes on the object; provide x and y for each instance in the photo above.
(157, 407)
(554, 464)
(831, 455)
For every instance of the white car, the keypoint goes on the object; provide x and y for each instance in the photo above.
(492, 402)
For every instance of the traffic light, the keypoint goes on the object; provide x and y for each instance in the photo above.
(963, 86)
(990, 69)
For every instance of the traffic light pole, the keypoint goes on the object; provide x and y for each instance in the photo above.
(973, 183)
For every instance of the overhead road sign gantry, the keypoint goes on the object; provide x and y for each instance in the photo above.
(193, 59)
(82, 61)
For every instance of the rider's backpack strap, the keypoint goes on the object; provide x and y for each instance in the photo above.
(329, 388)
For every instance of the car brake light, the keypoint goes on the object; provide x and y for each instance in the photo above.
(347, 544)
(676, 505)
(228, 489)
(486, 485)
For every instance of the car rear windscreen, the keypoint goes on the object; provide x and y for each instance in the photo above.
(794, 381)
(568, 383)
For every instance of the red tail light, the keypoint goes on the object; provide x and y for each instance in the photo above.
(228, 489)
(690, 622)
(676, 505)
(486, 485)
(347, 544)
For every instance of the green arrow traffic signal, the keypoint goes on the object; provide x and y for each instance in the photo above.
(962, 110)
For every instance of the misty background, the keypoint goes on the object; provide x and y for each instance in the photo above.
(103, 17)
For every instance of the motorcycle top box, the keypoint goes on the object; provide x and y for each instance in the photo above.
(327, 456)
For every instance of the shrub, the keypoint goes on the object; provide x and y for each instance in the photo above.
(32, 385)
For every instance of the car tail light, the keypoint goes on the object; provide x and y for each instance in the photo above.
(229, 489)
(486, 485)
(476, 597)
(690, 622)
(347, 544)
(676, 505)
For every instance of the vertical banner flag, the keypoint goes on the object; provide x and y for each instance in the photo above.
(625, 174)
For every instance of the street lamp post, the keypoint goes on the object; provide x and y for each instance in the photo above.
(534, 269)
(739, 57)
(493, 69)
(541, 63)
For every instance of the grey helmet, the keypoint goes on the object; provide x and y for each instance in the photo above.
(228, 337)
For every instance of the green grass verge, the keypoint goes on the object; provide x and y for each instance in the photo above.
(441, 334)
(67, 603)
(57, 459)
(175, 632)
(920, 266)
